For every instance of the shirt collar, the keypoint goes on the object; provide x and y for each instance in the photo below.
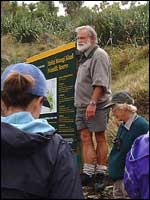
(128, 124)
(87, 52)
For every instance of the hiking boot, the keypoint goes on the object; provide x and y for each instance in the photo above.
(102, 180)
(99, 177)
(87, 180)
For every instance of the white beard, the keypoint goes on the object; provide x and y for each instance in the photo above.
(83, 46)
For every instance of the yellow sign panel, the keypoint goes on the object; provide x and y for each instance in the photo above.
(51, 52)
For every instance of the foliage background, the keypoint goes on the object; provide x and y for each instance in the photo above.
(28, 23)
(27, 30)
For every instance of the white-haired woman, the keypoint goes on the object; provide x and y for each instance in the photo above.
(132, 125)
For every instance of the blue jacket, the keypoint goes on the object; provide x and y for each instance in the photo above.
(136, 177)
(37, 165)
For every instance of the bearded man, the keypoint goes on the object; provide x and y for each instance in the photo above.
(92, 92)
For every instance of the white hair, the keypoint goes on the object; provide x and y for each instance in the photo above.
(90, 30)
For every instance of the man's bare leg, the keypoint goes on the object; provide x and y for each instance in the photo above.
(88, 152)
(101, 150)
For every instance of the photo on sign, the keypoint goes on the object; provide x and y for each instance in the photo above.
(51, 97)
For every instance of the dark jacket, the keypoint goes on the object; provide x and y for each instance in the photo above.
(37, 166)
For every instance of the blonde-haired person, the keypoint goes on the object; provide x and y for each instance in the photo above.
(36, 162)
(132, 125)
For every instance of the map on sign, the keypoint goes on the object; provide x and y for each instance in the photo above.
(51, 97)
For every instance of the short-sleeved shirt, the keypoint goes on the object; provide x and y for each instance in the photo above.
(95, 71)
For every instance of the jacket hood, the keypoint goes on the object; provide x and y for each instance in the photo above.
(16, 141)
(140, 148)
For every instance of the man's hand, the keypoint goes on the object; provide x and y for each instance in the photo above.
(90, 111)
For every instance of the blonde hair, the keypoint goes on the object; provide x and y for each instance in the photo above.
(128, 107)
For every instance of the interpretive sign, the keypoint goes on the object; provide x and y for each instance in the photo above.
(59, 67)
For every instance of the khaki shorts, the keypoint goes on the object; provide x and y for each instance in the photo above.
(96, 124)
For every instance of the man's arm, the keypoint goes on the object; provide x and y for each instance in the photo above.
(98, 92)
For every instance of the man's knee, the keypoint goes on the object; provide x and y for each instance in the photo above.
(101, 138)
(86, 136)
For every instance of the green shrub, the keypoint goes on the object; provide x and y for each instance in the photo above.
(26, 29)
(6, 24)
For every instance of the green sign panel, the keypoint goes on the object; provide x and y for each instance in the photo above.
(59, 67)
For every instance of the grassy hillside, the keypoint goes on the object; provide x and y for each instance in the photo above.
(18, 52)
(130, 69)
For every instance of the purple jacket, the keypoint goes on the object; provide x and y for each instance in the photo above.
(136, 177)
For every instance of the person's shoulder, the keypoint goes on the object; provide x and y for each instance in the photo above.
(143, 138)
(141, 121)
(61, 142)
(101, 52)
(7, 128)
(140, 146)
(57, 138)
